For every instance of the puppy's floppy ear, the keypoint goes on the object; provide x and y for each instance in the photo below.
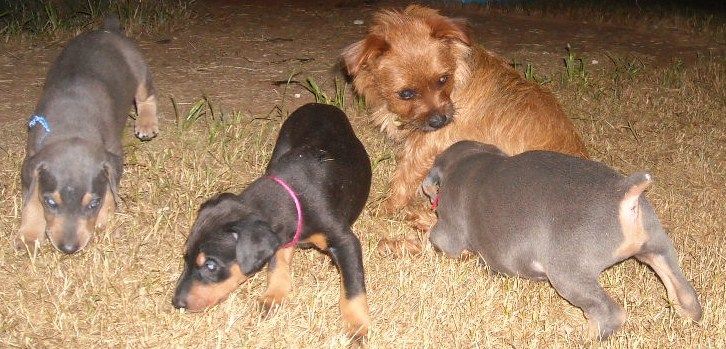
(32, 225)
(363, 52)
(430, 185)
(449, 29)
(256, 243)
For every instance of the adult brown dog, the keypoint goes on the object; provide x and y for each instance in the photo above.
(429, 87)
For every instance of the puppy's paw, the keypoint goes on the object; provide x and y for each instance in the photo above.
(270, 300)
(602, 327)
(356, 317)
(21, 242)
(399, 247)
(145, 129)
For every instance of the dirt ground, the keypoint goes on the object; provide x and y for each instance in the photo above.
(655, 114)
(233, 52)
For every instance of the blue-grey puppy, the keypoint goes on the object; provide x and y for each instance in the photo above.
(73, 161)
(548, 216)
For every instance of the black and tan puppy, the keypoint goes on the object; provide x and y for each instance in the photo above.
(314, 188)
(73, 159)
(549, 216)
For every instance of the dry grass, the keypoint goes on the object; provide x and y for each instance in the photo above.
(117, 293)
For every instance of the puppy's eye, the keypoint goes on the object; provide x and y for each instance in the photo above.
(211, 266)
(443, 79)
(50, 203)
(406, 94)
(94, 204)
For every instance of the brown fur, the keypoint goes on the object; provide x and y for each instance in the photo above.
(202, 296)
(278, 278)
(355, 314)
(484, 98)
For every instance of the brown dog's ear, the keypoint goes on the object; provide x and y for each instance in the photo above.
(450, 29)
(363, 52)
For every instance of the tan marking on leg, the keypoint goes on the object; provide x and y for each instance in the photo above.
(107, 209)
(319, 240)
(202, 296)
(634, 236)
(677, 293)
(355, 314)
(147, 123)
(278, 279)
(32, 225)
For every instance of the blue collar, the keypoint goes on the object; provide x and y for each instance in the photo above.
(39, 120)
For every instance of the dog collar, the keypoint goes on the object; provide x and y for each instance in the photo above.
(42, 121)
(298, 208)
(39, 120)
(435, 203)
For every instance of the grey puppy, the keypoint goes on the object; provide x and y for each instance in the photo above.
(548, 216)
(73, 161)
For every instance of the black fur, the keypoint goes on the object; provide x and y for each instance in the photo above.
(318, 155)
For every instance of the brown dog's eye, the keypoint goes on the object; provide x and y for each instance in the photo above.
(443, 79)
(406, 94)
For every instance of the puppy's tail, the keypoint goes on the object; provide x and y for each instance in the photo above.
(112, 24)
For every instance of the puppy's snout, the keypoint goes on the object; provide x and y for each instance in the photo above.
(179, 302)
(437, 121)
(69, 247)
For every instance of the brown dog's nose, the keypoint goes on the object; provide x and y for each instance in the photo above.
(437, 121)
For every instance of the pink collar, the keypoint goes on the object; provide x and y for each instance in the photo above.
(435, 203)
(298, 207)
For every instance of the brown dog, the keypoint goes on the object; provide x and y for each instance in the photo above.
(428, 87)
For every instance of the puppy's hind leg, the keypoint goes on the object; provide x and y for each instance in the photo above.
(679, 289)
(278, 278)
(346, 253)
(584, 291)
(147, 122)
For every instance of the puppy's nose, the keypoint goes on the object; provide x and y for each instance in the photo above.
(69, 247)
(179, 302)
(437, 121)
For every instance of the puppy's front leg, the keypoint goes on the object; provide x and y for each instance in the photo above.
(278, 278)
(347, 255)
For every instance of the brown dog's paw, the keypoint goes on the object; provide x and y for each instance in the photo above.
(399, 247)
(421, 220)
